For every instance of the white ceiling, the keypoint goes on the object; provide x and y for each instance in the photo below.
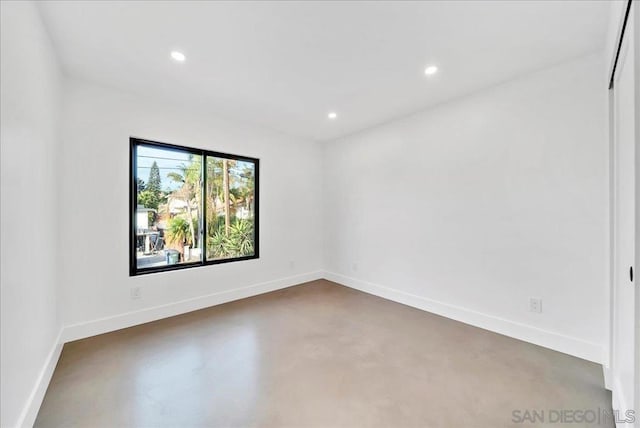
(285, 65)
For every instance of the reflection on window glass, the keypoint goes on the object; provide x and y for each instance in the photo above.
(168, 213)
(230, 208)
(184, 214)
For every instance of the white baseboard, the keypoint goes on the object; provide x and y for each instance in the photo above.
(130, 319)
(619, 401)
(557, 342)
(30, 410)
(568, 345)
(606, 372)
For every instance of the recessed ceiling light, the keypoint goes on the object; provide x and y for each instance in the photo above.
(432, 69)
(178, 56)
(332, 115)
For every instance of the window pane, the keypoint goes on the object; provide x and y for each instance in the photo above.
(230, 208)
(169, 209)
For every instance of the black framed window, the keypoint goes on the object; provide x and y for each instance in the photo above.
(190, 207)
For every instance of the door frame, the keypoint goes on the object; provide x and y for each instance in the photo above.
(636, 67)
(629, 14)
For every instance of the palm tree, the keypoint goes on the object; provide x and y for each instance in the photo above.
(220, 190)
(214, 189)
(190, 179)
(225, 187)
(178, 232)
(227, 197)
(249, 188)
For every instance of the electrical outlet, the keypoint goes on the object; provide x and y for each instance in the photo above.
(354, 266)
(136, 292)
(292, 264)
(535, 305)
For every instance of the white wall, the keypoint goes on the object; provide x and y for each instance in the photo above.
(29, 140)
(94, 202)
(470, 208)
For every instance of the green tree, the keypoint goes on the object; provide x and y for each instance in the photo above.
(154, 183)
(148, 199)
(150, 194)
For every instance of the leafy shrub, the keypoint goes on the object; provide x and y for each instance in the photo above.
(178, 231)
(238, 243)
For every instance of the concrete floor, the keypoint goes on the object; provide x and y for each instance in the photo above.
(315, 355)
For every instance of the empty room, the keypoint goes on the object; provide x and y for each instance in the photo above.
(320, 213)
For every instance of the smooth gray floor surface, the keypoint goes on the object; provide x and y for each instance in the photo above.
(315, 355)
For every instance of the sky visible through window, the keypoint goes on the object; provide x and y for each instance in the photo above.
(168, 161)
